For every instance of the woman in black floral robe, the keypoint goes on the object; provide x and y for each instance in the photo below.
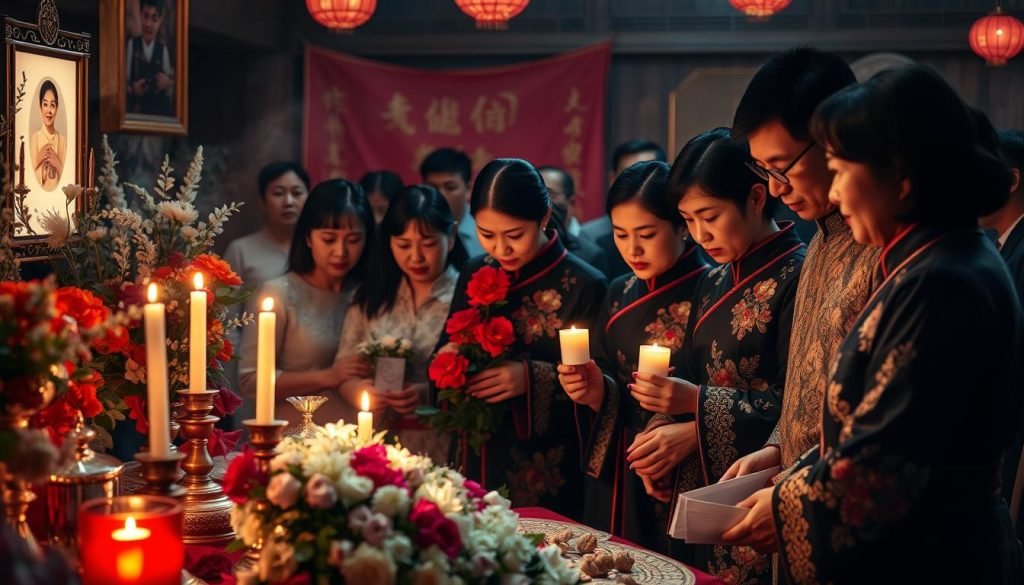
(738, 339)
(925, 390)
(535, 451)
(649, 305)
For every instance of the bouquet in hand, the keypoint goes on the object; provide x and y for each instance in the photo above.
(478, 340)
(386, 347)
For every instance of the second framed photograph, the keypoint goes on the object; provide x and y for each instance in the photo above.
(144, 66)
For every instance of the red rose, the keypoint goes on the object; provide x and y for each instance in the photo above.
(461, 323)
(241, 476)
(487, 286)
(474, 489)
(495, 335)
(433, 528)
(82, 396)
(448, 370)
(137, 412)
(85, 308)
(372, 462)
(137, 353)
(114, 341)
(58, 419)
(226, 350)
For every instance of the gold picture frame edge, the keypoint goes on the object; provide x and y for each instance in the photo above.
(113, 103)
(34, 248)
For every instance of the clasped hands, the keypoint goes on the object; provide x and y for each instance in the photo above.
(355, 367)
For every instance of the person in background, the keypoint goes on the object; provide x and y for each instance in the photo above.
(450, 172)
(263, 255)
(924, 394)
(774, 114)
(381, 187)
(562, 189)
(650, 305)
(1009, 228)
(599, 230)
(325, 264)
(535, 450)
(417, 259)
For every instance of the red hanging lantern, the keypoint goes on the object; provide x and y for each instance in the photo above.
(997, 37)
(759, 9)
(341, 15)
(492, 14)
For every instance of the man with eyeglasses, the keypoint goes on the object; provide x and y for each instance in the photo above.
(774, 115)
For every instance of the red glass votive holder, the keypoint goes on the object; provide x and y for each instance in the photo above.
(131, 540)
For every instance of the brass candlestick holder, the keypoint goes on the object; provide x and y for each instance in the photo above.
(264, 439)
(207, 509)
(160, 474)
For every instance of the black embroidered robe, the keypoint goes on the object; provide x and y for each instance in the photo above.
(535, 451)
(922, 400)
(738, 353)
(635, 312)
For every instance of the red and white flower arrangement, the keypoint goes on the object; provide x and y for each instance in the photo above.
(335, 511)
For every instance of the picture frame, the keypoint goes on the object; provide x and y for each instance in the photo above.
(46, 74)
(144, 66)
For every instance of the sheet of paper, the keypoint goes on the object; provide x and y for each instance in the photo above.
(389, 374)
(703, 514)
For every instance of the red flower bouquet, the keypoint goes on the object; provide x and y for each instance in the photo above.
(478, 340)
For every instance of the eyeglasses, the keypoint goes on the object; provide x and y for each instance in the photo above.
(779, 175)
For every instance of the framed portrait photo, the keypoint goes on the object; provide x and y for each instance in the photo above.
(144, 66)
(46, 81)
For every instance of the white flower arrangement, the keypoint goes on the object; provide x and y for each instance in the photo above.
(387, 346)
(377, 514)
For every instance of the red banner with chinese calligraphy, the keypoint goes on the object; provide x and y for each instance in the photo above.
(363, 116)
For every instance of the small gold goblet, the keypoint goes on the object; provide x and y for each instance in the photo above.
(306, 405)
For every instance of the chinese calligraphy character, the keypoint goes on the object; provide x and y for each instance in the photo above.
(443, 117)
(573, 103)
(335, 128)
(334, 100)
(397, 114)
(571, 153)
(574, 128)
(495, 114)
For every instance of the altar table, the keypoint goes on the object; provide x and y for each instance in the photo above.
(213, 565)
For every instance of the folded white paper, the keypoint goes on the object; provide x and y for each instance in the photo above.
(703, 514)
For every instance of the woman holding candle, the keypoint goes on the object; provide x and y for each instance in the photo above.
(534, 452)
(739, 328)
(649, 306)
(309, 302)
(418, 258)
(924, 392)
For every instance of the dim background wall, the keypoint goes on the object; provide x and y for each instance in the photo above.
(246, 61)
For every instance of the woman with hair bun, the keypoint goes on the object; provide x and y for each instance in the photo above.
(925, 391)
(535, 451)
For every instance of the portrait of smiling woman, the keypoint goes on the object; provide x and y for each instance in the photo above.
(49, 146)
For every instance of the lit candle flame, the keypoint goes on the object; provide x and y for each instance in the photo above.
(365, 401)
(130, 531)
(197, 280)
(655, 345)
(151, 292)
(574, 328)
(268, 304)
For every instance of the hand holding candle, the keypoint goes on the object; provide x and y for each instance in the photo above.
(266, 374)
(365, 419)
(197, 336)
(156, 376)
(575, 346)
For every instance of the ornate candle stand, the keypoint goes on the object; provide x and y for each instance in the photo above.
(160, 474)
(264, 439)
(207, 509)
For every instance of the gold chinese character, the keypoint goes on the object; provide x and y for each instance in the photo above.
(571, 153)
(333, 154)
(573, 103)
(397, 114)
(574, 128)
(443, 117)
(334, 100)
(495, 115)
